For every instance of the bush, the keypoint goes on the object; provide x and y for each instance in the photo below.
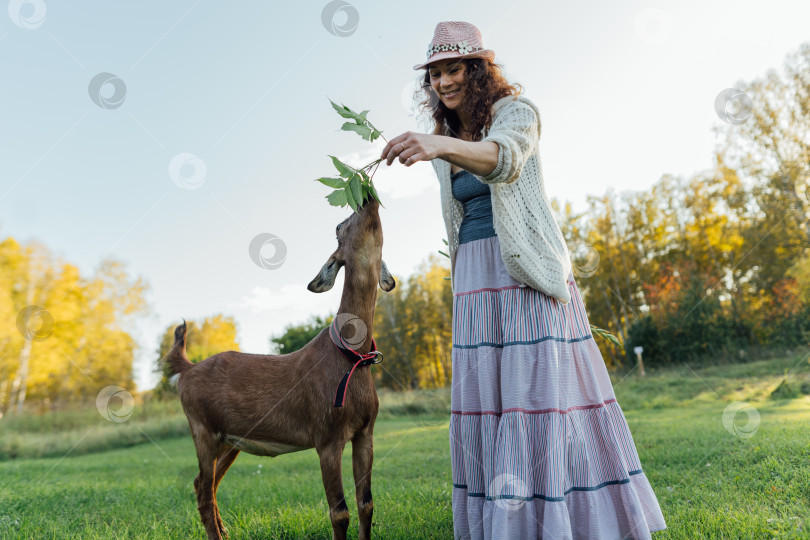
(692, 327)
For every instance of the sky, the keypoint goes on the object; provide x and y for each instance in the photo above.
(168, 135)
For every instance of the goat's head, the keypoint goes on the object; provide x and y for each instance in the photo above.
(360, 242)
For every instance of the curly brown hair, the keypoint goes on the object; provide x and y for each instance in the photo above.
(484, 84)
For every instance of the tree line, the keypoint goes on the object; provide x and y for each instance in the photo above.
(64, 335)
(693, 269)
(718, 262)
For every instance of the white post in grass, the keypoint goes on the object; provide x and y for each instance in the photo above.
(638, 350)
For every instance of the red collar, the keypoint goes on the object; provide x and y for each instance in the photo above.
(359, 360)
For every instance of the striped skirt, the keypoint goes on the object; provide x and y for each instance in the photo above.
(539, 446)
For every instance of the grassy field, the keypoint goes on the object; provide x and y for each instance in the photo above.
(710, 482)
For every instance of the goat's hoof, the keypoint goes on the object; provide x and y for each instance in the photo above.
(222, 530)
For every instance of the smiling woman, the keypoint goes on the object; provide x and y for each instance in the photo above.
(449, 88)
(539, 445)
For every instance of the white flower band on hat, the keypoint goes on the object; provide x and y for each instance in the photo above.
(456, 39)
(462, 47)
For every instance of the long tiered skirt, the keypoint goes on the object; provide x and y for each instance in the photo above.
(539, 446)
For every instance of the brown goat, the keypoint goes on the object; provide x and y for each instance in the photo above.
(269, 405)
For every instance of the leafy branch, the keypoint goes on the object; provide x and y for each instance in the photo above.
(353, 186)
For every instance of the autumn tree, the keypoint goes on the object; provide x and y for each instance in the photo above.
(413, 328)
(68, 335)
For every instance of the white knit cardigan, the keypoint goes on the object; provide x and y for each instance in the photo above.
(532, 245)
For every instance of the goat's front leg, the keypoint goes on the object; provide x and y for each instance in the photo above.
(362, 457)
(331, 457)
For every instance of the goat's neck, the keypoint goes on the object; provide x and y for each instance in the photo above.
(359, 298)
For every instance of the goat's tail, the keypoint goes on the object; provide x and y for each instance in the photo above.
(177, 359)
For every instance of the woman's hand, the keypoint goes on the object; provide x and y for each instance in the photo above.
(412, 147)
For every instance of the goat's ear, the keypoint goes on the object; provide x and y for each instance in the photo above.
(326, 277)
(386, 279)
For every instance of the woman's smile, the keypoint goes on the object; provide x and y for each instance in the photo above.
(447, 78)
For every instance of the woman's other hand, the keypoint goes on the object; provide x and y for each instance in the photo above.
(411, 147)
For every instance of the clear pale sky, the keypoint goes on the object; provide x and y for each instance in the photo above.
(626, 91)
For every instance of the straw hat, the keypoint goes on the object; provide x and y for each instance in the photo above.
(456, 39)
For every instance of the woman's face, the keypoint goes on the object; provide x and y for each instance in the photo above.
(447, 80)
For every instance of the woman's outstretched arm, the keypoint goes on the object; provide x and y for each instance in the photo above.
(480, 158)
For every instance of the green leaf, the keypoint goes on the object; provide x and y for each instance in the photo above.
(445, 254)
(356, 189)
(362, 130)
(346, 112)
(607, 335)
(350, 198)
(336, 183)
(337, 197)
(344, 170)
(370, 192)
(615, 340)
(369, 185)
(374, 193)
(361, 126)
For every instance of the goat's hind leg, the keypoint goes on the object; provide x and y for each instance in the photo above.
(224, 461)
(362, 457)
(331, 457)
(207, 451)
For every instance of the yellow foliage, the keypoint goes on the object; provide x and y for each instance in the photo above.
(65, 338)
(204, 338)
(800, 271)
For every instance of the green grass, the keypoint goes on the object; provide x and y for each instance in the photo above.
(709, 482)
(82, 431)
(685, 385)
(145, 491)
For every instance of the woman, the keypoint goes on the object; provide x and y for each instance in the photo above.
(539, 446)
